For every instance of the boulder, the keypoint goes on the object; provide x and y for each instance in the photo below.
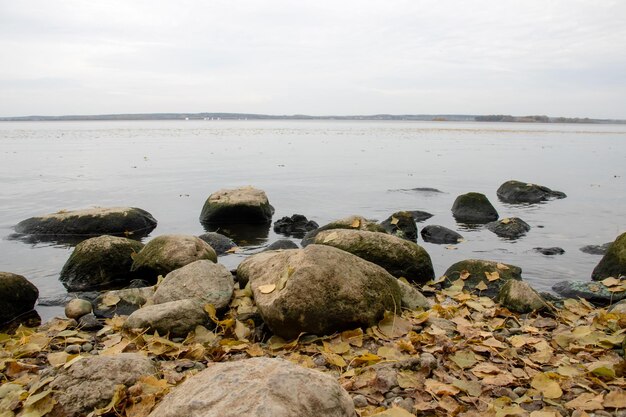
(613, 263)
(476, 271)
(221, 244)
(517, 192)
(399, 257)
(165, 253)
(550, 251)
(352, 222)
(473, 208)
(177, 318)
(318, 289)
(401, 224)
(204, 280)
(91, 382)
(420, 216)
(618, 308)
(77, 307)
(245, 205)
(596, 249)
(594, 292)
(121, 302)
(116, 221)
(296, 226)
(412, 299)
(440, 235)
(282, 244)
(17, 296)
(520, 297)
(509, 227)
(259, 387)
(101, 262)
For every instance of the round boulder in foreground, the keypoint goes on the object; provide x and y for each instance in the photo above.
(518, 192)
(17, 296)
(473, 208)
(116, 221)
(260, 387)
(245, 205)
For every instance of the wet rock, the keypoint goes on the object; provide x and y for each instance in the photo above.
(440, 235)
(121, 302)
(17, 296)
(282, 244)
(296, 226)
(360, 401)
(204, 280)
(352, 222)
(318, 290)
(76, 308)
(478, 270)
(420, 216)
(286, 390)
(509, 228)
(166, 253)
(550, 251)
(220, 243)
(613, 263)
(399, 257)
(596, 249)
(517, 192)
(473, 208)
(520, 297)
(594, 292)
(116, 221)
(245, 205)
(402, 225)
(91, 382)
(100, 263)
(412, 299)
(176, 318)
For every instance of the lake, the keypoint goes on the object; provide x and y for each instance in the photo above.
(325, 170)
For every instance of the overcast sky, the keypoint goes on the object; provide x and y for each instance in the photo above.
(559, 57)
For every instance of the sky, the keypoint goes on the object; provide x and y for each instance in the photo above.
(341, 57)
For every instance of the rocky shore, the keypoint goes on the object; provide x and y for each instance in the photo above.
(354, 323)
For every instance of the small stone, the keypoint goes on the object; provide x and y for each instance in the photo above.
(360, 401)
(320, 361)
(505, 392)
(405, 403)
(520, 391)
(72, 349)
(390, 395)
(89, 322)
(428, 362)
(77, 308)
(87, 347)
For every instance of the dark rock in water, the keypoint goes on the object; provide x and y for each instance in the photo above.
(473, 272)
(473, 208)
(296, 226)
(517, 192)
(596, 249)
(17, 296)
(613, 263)
(220, 243)
(245, 205)
(440, 235)
(243, 234)
(282, 244)
(115, 221)
(594, 292)
(352, 222)
(100, 263)
(137, 283)
(509, 228)
(420, 216)
(550, 251)
(426, 190)
(401, 224)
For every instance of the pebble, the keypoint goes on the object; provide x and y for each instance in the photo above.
(87, 347)
(89, 322)
(359, 401)
(77, 307)
(320, 361)
(520, 391)
(72, 349)
(405, 403)
(428, 361)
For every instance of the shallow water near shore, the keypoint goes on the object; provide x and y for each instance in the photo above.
(324, 170)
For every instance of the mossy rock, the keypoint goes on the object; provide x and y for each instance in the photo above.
(613, 263)
(352, 222)
(401, 224)
(473, 208)
(509, 227)
(518, 192)
(476, 271)
(520, 297)
(594, 292)
(17, 296)
(245, 205)
(220, 243)
(440, 235)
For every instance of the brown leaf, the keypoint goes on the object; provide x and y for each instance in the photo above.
(586, 401)
(547, 385)
(492, 276)
(439, 388)
(266, 289)
(615, 399)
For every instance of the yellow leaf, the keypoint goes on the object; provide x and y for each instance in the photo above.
(367, 358)
(615, 399)
(481, 286)
(356, 223)
(505, 221)
(394, 412)
(334, 359)
(439, 388)
(39, 408)
(492, 276)
(57, 359)
(109, 299)
(409, 380)
(393, 326)
(464, 359)
(502, 266)
(610, 281)
(266, 289)
(472, 388)
(354, 337)
(394, 220)
(390, 353)
(465, 274)
(586, 401)
(547, 386)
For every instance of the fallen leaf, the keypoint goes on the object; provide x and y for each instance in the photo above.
(506, 220)
(586, 401)
(492, 276)
(547, 386)
(615, 399)
(464, 359)
(356, 223)
(266, 289)
(611, 281)
(394, 220)
(439, 388)
(393, 412)
(502, 266)
(481, 286)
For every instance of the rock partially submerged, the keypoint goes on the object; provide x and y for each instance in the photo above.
(399, 257)
(17, 296)
(101, 262)
(473, 208)
(440, 235)
(550, 251)
(296, 226)
(245, 205)
(486, 277)
(115, 221)
(509, 227)
(282, 244)
(596, 249)
(518, 192)
(401, 224)
(594, 292)
(221, 244)
(613, 263)
(318, 289)
(260, 387)
(420, 216)
(352, 222)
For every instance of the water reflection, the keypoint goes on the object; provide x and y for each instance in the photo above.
(242, 234)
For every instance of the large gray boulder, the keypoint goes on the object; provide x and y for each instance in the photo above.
(259, 387)
(613, 263)
(177, 318)
(166, 253)
(318, 289)
(473, 208)
(100, 263)
(17, 296)
(491, 274)
(351, 222)
(518, 192)
(399, 257)
(509, 227)
(204, 280)
(91, 382)
(401, 224)
(117, 221)
(246, 205)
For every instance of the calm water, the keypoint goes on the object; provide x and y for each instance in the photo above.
(324, 170)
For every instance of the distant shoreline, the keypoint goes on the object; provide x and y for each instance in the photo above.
(246, 116)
